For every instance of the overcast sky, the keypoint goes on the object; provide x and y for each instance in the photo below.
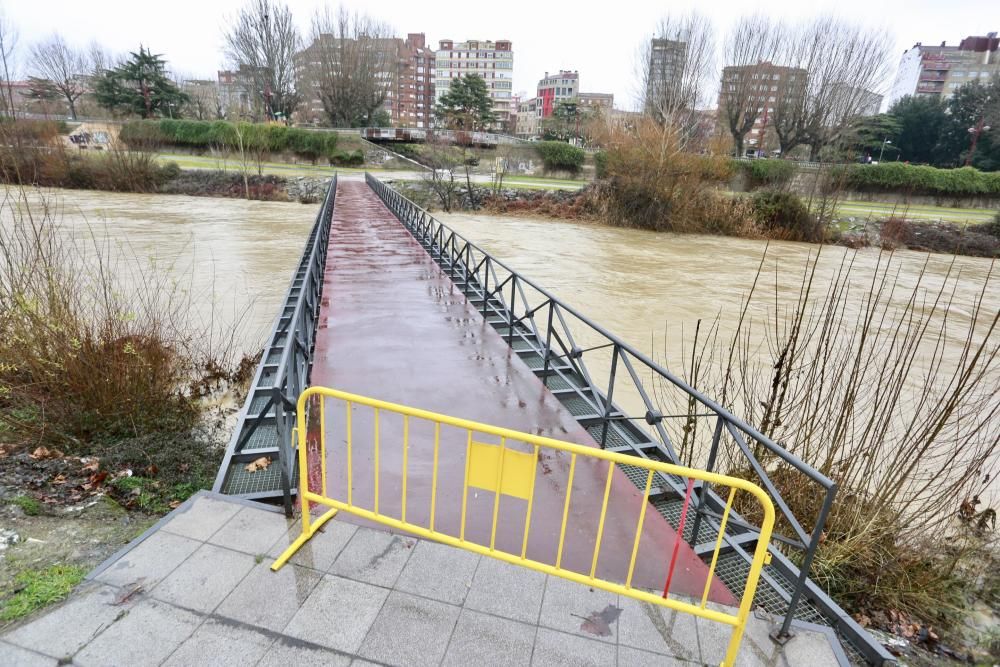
(600, 39)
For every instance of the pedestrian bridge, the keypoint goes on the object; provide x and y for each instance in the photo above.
(388, 303)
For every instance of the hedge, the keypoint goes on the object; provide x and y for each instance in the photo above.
(309, 144)
(557, 155)
(923, 180)
(766, 172)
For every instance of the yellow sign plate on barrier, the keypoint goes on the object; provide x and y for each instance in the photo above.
(518, 469)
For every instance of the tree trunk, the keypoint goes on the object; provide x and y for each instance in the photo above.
(738, 143)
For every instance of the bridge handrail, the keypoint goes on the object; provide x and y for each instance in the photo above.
(293, 333)
(503, 470)
(464, 252)
(292, 375)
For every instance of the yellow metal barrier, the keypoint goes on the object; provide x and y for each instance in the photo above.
(506, 471)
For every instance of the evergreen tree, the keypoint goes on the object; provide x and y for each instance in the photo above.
(973, 107)
(140, 86)
(467, 105)
(921, 121)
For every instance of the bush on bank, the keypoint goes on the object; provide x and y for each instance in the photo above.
(918, 179)
(766, 173)
(199, 134)
(560, 156)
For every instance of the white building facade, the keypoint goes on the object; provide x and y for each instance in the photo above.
(492, 60)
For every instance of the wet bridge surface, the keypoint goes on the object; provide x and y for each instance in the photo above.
(394, 327)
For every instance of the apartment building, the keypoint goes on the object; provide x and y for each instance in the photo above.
(938, 71)
(760, 86)
(665, 70)
(557, 88)
(598, 102)
(406, 71)
(526, 125)
(492, 60)
(411, 99)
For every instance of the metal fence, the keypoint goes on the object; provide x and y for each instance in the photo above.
(502, 462)
(452, 136)
(547, 332)
(267, 419)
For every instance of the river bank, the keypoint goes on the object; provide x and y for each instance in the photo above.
(895, 229)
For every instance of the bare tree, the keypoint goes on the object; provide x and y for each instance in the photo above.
(846, 65)
(357, 57)
(676, 67)
(8, 43)
(262, 43)
(62, 66)
(750, 47)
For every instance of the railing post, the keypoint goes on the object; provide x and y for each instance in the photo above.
(783, 634)
(486, 286)
(703, 488)
(548, 345)
(510, 309)
(609, 397)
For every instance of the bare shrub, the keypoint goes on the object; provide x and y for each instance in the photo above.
(652, 182)
(99, 351)
(885, 380)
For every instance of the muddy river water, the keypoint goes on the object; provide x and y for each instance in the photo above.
(648, 288)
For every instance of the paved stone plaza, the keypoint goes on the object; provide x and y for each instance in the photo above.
(196, 589)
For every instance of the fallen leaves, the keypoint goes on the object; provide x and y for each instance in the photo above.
(263, 463)
(44, 453)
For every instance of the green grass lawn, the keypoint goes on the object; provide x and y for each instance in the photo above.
(863, 210)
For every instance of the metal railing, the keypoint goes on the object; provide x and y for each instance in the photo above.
(430, 134)
(531, 313)
(283, 372)
(507, 466)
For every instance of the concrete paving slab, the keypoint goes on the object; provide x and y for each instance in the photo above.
(322, 549)
(285, 652)
(809, 648)
(15, 655)
(338, 614)
(633, 657)
(374, 557)
(205, 578)
(558, 649)
(580, 610)
(653, 628)
(756, 650)
(439, 572)
(410, 631)
(252, 531)
(151, 561)
(62, 631)
(270, 599)
(481, 639)
(302, 616)
(146, 635)
(220, 643)
(202, 518)
(507, 590)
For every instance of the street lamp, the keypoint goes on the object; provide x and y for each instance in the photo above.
(886, 141)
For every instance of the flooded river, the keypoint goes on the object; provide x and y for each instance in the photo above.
(234, 257)
(649, 288)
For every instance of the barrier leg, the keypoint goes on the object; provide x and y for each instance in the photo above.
(309, 527)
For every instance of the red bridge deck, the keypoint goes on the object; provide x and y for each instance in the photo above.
(394, 327)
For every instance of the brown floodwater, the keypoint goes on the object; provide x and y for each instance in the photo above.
(231, 260)
(235, 259)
